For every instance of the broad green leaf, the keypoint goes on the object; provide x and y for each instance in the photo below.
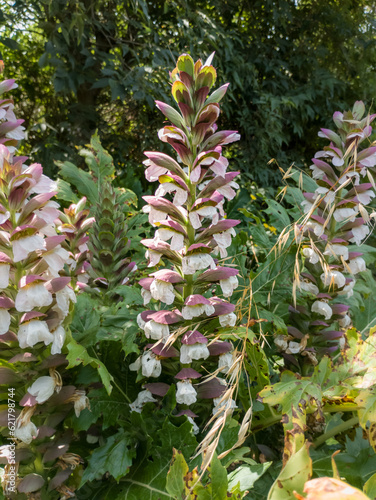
(80, 179)
(293, 476)
(175, 484)
(77, 354)
(65, 193)
(115, 457)
(246, 475)
(370, 487)
(290, 392)
(218, 476)
(148, 480)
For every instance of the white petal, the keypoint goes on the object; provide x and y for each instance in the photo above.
(33, 332)
(227, 319)
(185, 393)
(156, 331)
(322, 308)
(190, 352)
(160, 290)
(42, 389)
(4, 321)
(4, 275)
(23, 246)
(59, 339)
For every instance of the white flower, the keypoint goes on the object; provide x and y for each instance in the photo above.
(329, 198)
(345, 321)
(23, 246)
(63, 299)
(56, 258)
(190, 312)
(357, 265)
(317, 173)
(227, 190)
(59, 339)
(4, 216)
(307, 205)
(142, 398)
(220, 407)
(190, 352)
(134, 367)
(44, 185)
(156, 331)
(309, 287)
(228, 285)
(42, 389)
(321, 307)
(223, 240)
(181, 194)
(337, 251)
(347, 214)
(185, 393)
(4, 275)
(154, 257)
(26, 432)
(146, 295)
(4, 321)
(294, 348)
(311, 255)
(365, 197)
(225, 362)
(333, 278)
(318, 229)
(154, 214)
(33, 295)
(151, 366)
(195, 427)
(196, 262)
(348, 290)
(49, 212)
(281, 342)
(81, 402)
(177, 241)
(141, 323)
(163, 291)
(33, 332)
(204, 212)
(359, 233)
(227, 319)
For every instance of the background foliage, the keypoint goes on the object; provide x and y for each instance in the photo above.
(289, 63)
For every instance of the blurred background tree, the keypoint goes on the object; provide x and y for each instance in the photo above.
(84, 65)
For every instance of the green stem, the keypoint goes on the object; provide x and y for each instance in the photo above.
(336, 430)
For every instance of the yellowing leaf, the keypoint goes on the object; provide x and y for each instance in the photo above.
(328, 488)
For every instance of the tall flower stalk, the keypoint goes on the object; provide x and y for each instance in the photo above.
(334, 226)
(35, 306)
(191, 240)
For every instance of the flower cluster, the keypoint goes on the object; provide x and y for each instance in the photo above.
(75, 224)
(335, 225)
(109, 245)
(35, 302)
(191, 235)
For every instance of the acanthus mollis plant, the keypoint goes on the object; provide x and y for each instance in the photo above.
(191, 239)
(35, 306)
(11, 129)
(110, 264)
(75, 225)
(335, 225)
